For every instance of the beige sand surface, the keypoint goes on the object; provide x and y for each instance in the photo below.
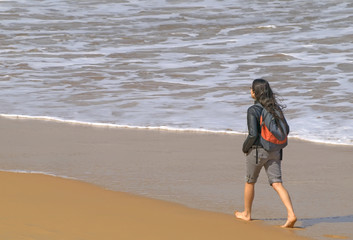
(199, 170)
(34, 206)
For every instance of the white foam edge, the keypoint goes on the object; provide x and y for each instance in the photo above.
(37, 172)
(319, 141)
(111, 125)
(267, 26)
(160, 128)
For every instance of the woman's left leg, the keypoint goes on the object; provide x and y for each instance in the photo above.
(249, 194)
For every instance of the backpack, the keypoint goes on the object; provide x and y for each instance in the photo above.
(273, 137)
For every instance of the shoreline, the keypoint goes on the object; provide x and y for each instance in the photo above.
(202, 171)
(154, 128)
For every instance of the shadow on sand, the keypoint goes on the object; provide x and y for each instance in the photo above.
(308, 222)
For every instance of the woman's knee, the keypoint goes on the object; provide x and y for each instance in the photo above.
(277, 185)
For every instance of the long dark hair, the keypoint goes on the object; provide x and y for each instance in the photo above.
(265, 96)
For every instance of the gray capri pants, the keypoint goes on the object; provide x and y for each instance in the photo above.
(270, 160)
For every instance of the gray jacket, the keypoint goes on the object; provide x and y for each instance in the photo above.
(254, 129)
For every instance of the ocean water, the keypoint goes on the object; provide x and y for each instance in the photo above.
(179, 64)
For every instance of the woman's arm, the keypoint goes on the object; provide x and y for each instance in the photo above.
(253, 130)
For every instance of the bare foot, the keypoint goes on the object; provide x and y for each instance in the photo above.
(242, 216)
(290, 222)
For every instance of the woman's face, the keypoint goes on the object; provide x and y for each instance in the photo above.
(252, 94)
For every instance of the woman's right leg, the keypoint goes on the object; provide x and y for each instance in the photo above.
(283, 194)
(274, 173)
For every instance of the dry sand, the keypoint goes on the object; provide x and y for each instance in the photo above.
(199, 170)
(35, 206)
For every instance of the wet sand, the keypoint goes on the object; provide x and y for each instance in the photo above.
(202, 171)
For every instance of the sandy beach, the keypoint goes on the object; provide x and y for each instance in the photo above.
(35, 206)
(193, 182)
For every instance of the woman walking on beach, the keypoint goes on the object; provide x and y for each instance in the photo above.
(257, 157)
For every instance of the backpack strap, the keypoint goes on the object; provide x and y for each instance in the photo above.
(262, 109)
(261, 124)
(262, 120)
